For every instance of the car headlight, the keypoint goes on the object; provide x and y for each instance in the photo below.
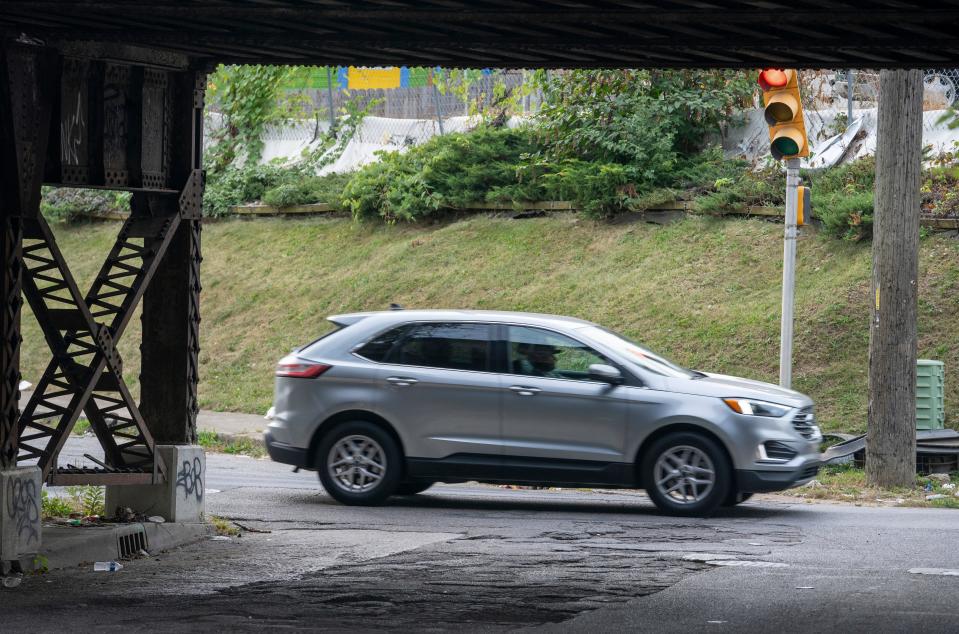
(752, 407)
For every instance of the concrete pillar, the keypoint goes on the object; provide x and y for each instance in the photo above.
(19, 513)
(180, 499)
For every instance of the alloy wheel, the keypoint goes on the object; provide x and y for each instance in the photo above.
(356, 463)
(684, 474)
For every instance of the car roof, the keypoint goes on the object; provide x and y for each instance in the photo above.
(404, 315)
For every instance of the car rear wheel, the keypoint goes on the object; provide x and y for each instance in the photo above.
(359, 463)
(412, 487)
(687, 474)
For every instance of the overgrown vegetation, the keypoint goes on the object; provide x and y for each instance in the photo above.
(235, 445)
(67, 204)
(233, 180)
(223, 526)
(846, 483)
(606, 140)
(82, 501)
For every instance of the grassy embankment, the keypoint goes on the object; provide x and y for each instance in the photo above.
(705, 292)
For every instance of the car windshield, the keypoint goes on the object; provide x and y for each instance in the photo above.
(645, 359)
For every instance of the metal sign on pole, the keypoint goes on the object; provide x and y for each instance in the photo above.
(789, 272)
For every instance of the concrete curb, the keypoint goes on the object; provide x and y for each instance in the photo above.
(68, 546)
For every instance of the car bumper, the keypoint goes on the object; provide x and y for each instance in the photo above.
(759, 481)
(284, 453)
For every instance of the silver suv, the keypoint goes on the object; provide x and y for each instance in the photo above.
(391, 402)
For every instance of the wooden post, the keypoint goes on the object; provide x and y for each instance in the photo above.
(891, 440)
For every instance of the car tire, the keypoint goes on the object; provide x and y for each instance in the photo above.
(676, 473)
(412, 487)
(735, 497)
(359, 463)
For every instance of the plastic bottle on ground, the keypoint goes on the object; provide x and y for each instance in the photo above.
(107, 566)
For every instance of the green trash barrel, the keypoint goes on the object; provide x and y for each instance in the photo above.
(930, 394)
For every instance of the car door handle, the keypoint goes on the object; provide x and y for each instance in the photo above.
(401, 381)
(523, 390)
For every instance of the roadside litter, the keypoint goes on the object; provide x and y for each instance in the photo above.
(12, 581)
(107, 566)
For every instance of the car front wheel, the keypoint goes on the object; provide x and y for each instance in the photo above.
(687, 474)
(359, 463)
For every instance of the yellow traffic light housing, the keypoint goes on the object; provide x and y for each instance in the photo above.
(804, 206)
(783, 112)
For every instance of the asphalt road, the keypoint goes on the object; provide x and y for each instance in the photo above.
(478, 558)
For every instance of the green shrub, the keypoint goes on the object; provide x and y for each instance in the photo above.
(597, 189)
(51, 506)
(940, 191)
(306, 190)
(68, 204)
(845, 214)
(234, 186)
(87, 499)
(766, 187)
(446, 172)
(842, 198)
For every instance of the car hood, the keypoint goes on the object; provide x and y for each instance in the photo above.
(722, 386)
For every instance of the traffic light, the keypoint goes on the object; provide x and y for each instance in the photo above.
(804, 206)
(783, 112)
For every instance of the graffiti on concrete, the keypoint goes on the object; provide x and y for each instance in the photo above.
(23, 508)
(190, 478)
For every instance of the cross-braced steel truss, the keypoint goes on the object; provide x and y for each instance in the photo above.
(96, 122)
(86, 372)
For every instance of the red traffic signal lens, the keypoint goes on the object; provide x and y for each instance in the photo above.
(773, 78)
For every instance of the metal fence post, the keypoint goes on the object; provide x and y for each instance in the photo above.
(850, 83)
(329, 98)
(436, 103)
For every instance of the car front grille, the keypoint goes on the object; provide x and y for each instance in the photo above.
(779, 451)
(805, 423)
(810, 471)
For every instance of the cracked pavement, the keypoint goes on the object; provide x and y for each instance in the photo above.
(479, 558)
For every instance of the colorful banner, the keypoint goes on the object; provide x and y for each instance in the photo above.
(356, 78)
(373, 78)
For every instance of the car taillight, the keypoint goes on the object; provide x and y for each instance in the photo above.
(301, 370)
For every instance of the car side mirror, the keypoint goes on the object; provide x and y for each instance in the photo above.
(605, 373)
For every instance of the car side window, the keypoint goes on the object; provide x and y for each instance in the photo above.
(454, 346)
(538, 352)
(380, 347)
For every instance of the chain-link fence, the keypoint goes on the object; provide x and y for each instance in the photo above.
(841, 114)
(857, 89)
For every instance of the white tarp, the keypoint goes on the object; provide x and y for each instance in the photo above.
(749, 140)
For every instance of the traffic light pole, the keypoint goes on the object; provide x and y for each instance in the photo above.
(789, 272)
